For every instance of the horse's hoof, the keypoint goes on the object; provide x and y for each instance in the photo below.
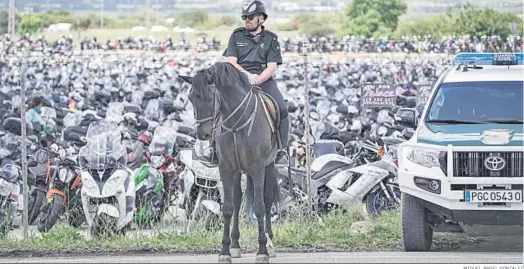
(272, 253)
(235, 253)
(262, 258)
(224, 259)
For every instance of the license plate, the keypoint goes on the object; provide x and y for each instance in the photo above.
(493, 196)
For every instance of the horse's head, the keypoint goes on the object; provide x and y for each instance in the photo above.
(204, 98)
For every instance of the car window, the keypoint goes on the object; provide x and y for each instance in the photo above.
(479, 100)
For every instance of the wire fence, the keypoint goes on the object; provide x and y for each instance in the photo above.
(57, 199)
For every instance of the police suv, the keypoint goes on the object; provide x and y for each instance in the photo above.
(465, 161)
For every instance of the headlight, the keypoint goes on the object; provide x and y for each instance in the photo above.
(5, 187)
(427, 158)
(171, 168)
(157, 161)
(65, 175)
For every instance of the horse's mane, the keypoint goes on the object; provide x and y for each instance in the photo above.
(226, 75)
(223, 74)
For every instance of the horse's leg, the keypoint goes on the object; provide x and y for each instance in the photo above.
(269, 199)
(227, 212)
(237, 202)
(258, 178)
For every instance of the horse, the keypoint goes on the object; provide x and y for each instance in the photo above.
(242, 120)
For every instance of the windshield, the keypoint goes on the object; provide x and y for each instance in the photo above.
(72, 119)
(477, 101)
(104, 148)
(163, 141)
(47, 113)
(115, 111)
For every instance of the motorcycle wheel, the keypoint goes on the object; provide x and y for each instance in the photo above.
(103, 225)
(213, 222)
(75, 214)
(377, 202)
(36, 200)
(5, 220)
(51, 213)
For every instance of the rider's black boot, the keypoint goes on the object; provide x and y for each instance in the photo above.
(282, 158)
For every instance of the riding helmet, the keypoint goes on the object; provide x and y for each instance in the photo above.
(254, 7)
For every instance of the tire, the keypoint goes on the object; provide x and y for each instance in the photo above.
(213, 222)
(51, 214)
(103, 225)
(36, 201)
(371, 201)
(417, 234)
(76, 217)
(5, 220)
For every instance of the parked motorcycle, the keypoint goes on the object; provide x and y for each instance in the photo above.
(63, 193)
(201, 188)
(108, 191)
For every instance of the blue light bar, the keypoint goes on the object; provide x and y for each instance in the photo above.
(489, 58)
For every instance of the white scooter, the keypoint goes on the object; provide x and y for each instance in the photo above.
(202, 189)
(108, 190)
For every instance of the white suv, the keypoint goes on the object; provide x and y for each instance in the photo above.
(465, 162)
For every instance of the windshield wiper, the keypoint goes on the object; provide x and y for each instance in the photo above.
(506, 121)
(456, 121)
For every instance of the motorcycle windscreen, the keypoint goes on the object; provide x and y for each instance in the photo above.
(104, 148)
(115, 111)
(163, 141)
(322, 148)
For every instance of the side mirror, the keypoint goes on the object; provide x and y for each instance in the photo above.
(32, 163)
(407, 117)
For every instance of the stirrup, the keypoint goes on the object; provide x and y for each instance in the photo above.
(283, 160)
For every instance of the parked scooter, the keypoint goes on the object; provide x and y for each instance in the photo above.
(108, 191)
(202, 188)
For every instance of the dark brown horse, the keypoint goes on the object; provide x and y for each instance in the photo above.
(235, 113)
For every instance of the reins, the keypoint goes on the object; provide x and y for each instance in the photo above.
(233, 129)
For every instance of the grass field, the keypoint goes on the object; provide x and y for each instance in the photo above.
(331, 232)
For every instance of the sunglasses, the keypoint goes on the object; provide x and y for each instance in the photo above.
(250, 17)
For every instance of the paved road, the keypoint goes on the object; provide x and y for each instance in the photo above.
(318, 257)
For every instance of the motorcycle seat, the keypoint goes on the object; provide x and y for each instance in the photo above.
(329, 167)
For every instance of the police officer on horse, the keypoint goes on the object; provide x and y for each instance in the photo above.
(255, 52)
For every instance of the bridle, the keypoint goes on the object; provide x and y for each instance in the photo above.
(217, 103)
(234, 129)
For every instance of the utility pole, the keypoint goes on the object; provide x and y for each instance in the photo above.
(101, 13)
(11, 21)
(148, 11)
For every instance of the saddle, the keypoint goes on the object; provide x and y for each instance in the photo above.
(271, 109)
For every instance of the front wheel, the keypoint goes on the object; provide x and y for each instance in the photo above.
(377, 201)
(5, 220)
(103, 225)
(417, 234)
(36, 201)
(213, 222)
(51, 213)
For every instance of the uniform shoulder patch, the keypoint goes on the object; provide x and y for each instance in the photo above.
(239, 29)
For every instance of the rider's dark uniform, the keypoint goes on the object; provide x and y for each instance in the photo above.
(253, 53)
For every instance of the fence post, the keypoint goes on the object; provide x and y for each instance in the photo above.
(307, 132)
(23, 70)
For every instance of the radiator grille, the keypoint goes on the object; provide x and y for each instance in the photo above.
(471, 164)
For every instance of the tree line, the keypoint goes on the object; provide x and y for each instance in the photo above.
(369, 18)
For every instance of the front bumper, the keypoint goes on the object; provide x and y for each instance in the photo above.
(451, 201)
